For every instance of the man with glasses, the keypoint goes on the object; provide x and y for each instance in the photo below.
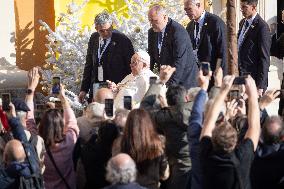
(108, 56)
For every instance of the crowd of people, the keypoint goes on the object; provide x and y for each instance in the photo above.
(185, 127)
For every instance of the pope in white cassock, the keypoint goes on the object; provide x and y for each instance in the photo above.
(135, 84)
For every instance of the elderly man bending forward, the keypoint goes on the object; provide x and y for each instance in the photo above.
(135, 84)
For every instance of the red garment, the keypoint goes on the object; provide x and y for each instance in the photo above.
(4, 120)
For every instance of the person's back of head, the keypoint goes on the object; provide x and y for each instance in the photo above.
(140, 139)
(14, 152)
(51, 127)
(176, 95)
(121, 117)
(121, 169)
(102, 94)
(224, 138)
(273, 130)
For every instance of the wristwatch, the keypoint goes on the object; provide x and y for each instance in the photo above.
(29, 91)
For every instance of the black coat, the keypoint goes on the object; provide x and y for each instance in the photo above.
(254, 52)
(116, 60)
(177, 52)
(213, 41)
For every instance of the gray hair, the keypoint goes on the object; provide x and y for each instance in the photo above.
(103, 18)
(159, 9)
(121, 174)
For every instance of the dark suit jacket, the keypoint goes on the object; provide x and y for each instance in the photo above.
(254, 53)
(213, 41)
(177, 52)
(116, 60)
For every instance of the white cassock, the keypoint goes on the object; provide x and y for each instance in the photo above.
(134, 86)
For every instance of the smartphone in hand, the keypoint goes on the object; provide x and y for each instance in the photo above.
(205, 67)
(127, 101)
(55, 85)
(6, 99)
(240, 80)
(109, 107)
(152, 80)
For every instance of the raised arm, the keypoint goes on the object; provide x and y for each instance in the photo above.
(154, 90)
(69, 116)
(33, 79)
(253, 131)
(215, 108)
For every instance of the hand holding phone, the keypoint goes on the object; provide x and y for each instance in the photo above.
(109, 107)
(127, 101)
(55, 85)
(240, 80)
(6, 99)
(152, 80)
(205, 67)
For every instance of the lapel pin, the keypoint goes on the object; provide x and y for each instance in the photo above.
(205, 24)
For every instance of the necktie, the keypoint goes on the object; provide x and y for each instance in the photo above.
(103, 45)
(196, 36)
(246, 25)
(160, 38)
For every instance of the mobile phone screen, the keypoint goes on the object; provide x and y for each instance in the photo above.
(6, 99)
(55, 85)
(127, 100)
(234, 94)
(109, 107)
(103, 85)
(239, 80)
(153, 80)
(205, 66)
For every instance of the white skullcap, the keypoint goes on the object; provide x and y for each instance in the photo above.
(144, 56)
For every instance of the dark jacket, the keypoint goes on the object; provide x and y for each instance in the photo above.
(213, 41)
(268, 166)
(177, 52)
(194, 130)
(172, 122)
(254, 52)
(116, 60)
(10, 176)
(26, 173)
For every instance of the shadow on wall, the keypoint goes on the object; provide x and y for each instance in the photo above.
(30, 41)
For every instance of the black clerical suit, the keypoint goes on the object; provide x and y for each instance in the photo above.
(176, 51)
(115, 60)
(213, 41)
(254, 51)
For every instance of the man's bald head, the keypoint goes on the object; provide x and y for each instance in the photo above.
(121, 169)
(102, 94)
(14, 151)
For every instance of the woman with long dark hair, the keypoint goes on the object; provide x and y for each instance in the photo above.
(60, 134)
(146, 147)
